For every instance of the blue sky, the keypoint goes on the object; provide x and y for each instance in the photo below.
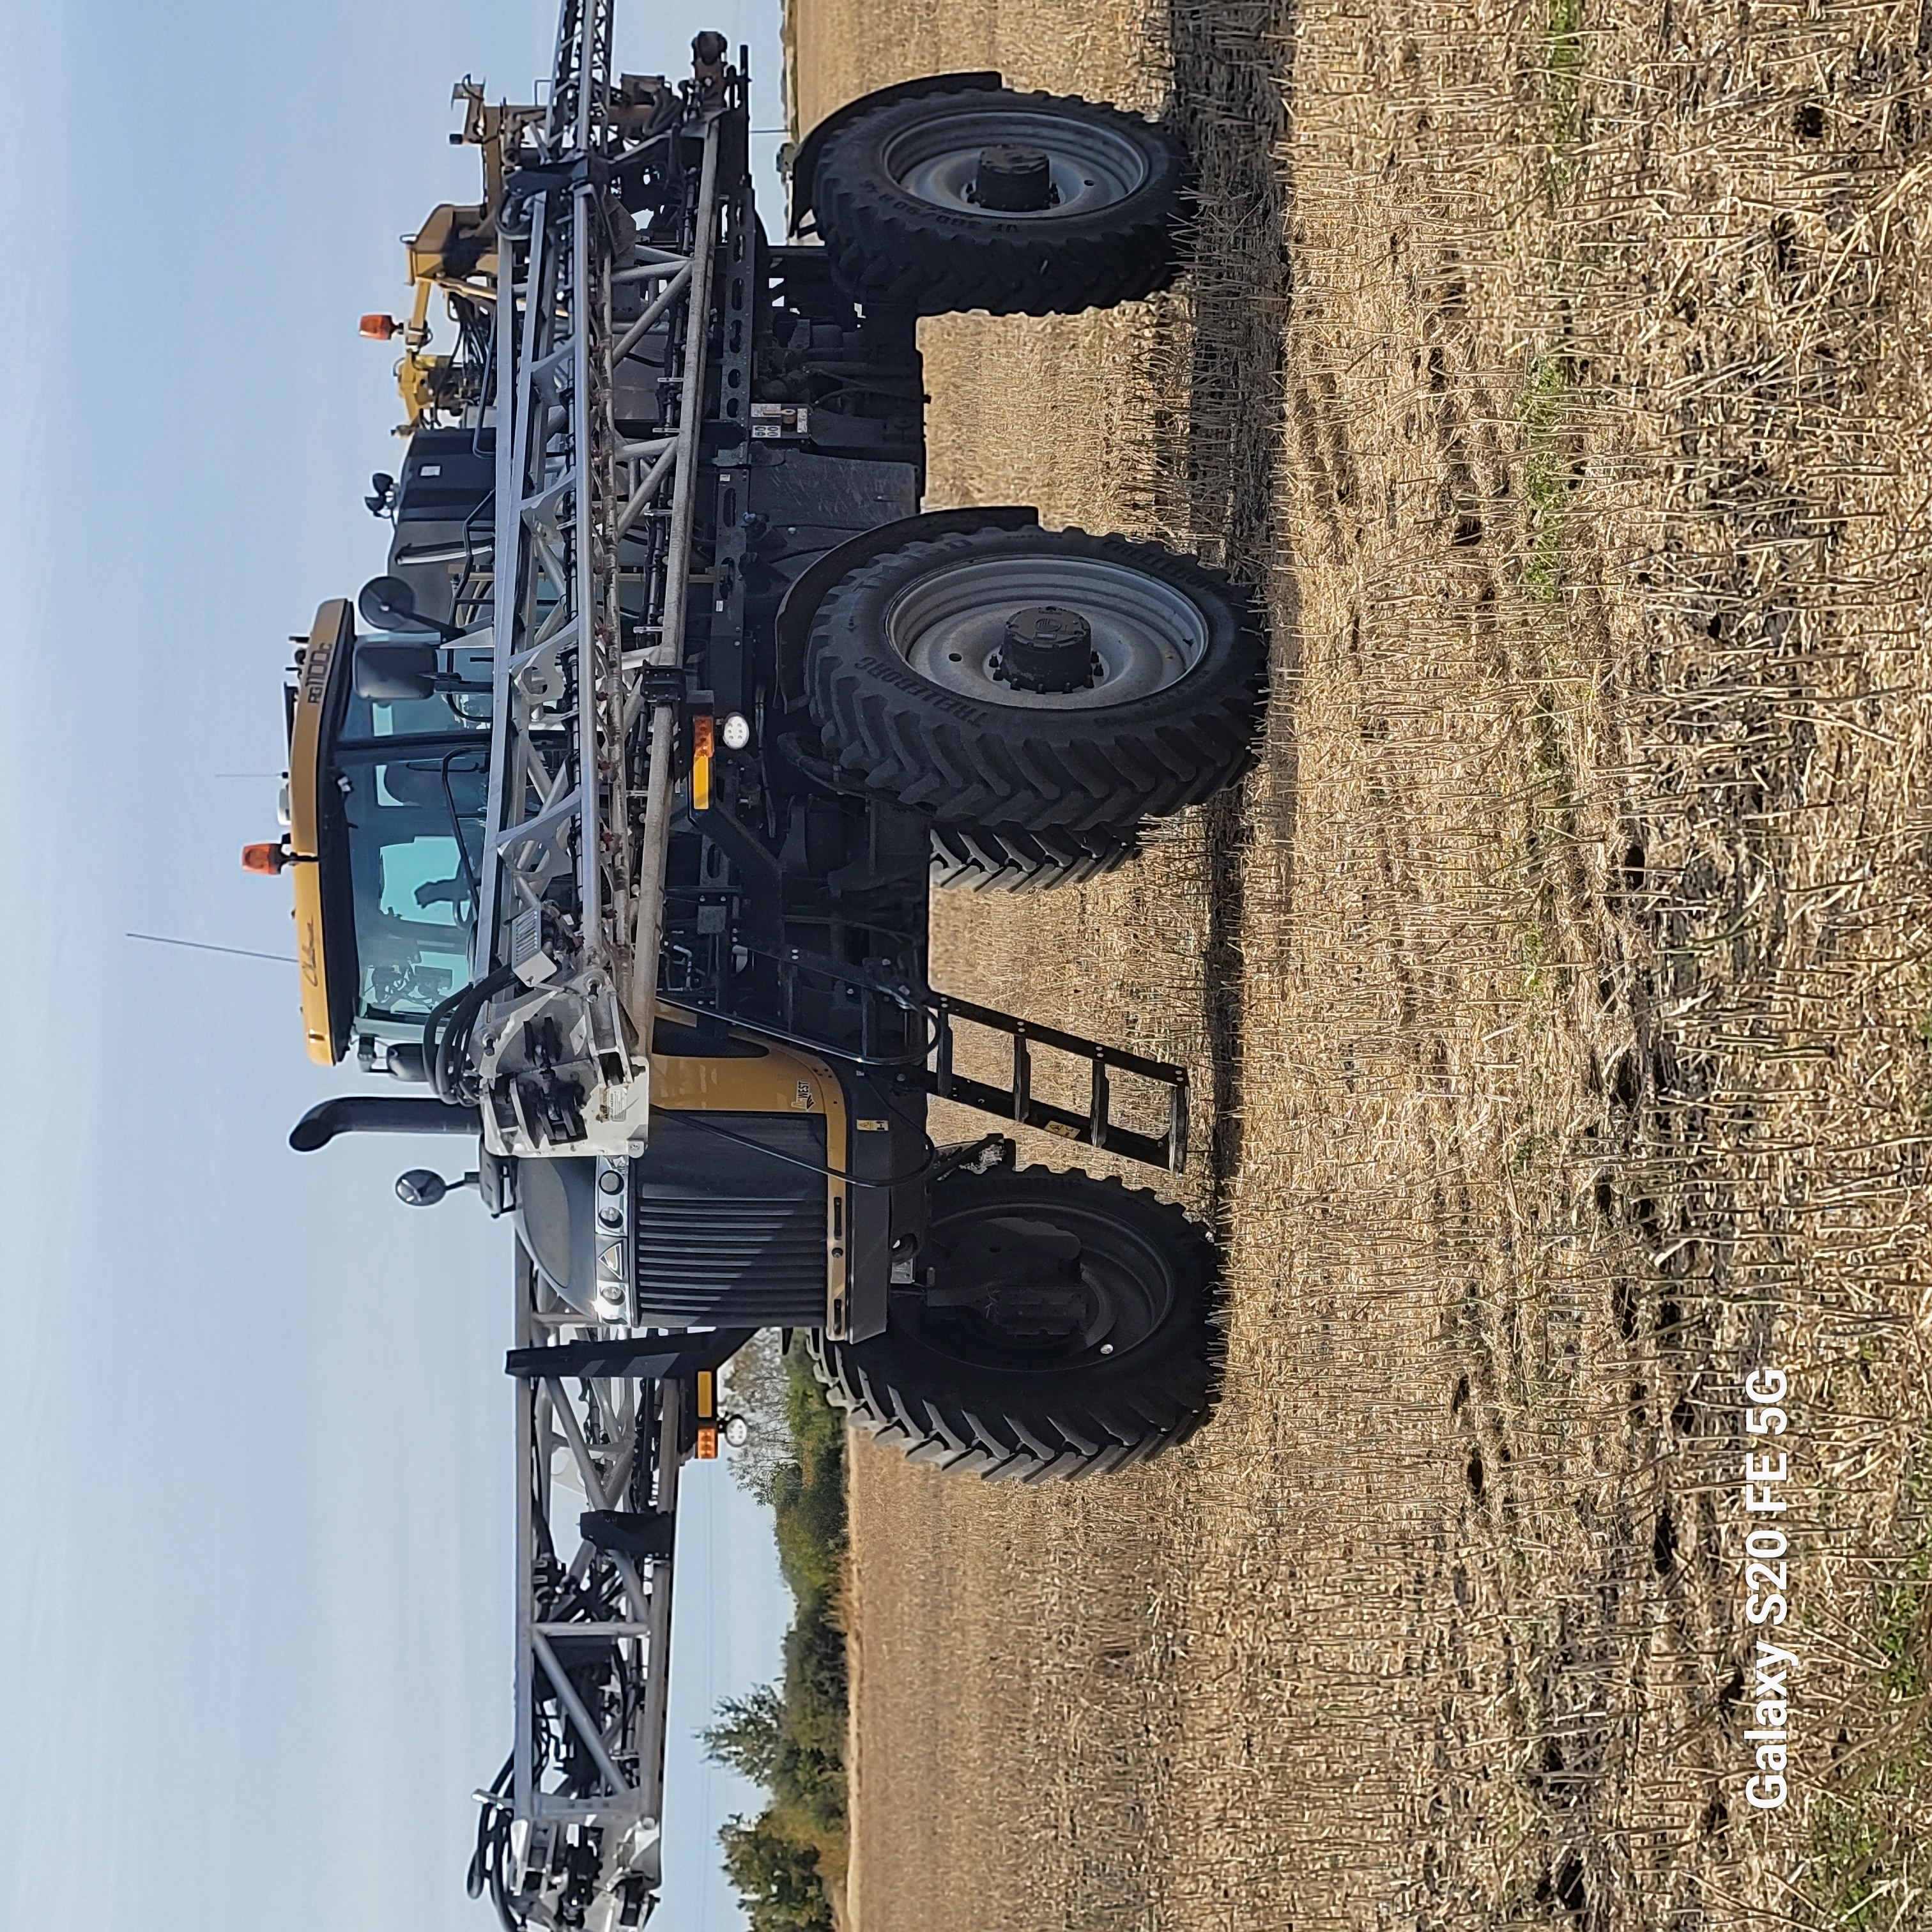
(254, 1529)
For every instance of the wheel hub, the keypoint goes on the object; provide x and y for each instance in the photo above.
(1035, 1291)
(949, 626)
(1019, 161)
(1047, 649)
(1013, 180)
(1024, 1279)
(1044, 1312)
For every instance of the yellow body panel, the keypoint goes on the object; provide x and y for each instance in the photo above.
(419, 376)
(447, 223)
(780, 1081)
(316, 1031)
(333, 635)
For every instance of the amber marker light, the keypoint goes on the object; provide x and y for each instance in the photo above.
(269, 858)
(703, 743)
(378, 328)
(706, 1392)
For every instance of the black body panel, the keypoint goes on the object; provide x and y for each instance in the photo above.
(446, 504)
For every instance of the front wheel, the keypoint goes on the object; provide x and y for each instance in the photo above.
(1042, 680)
(1070, 1326)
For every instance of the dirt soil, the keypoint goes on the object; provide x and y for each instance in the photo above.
(1558, 984)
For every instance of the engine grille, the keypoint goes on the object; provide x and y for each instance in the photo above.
(739, 1263)
(727, 1235)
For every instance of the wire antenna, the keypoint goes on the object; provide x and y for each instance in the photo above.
(202, 946)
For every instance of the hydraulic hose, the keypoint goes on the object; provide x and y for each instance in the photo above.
(453, 1019)
(885, 1181)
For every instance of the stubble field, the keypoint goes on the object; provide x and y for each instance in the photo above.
(1560, 984)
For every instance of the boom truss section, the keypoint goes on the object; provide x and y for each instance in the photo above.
(607, 246)
(570, 1833)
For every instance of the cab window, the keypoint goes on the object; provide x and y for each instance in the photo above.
(415, 830)
(369, 720)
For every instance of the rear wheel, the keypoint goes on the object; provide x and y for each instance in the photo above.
(983, 858)
(1044, 679)
(1028, 204)
(1071, 1326)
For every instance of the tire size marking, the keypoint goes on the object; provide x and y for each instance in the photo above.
(916, 686)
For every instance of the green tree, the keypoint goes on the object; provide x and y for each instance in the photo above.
(750, 1734)
(789, 1737)
(776, 1878)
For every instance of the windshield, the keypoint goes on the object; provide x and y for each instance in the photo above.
(415, 831)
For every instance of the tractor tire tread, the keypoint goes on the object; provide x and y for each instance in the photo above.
(1006, 859)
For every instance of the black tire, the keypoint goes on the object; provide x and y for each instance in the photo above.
(979, 858)
(986, 1387)
(900, 221)
(1180, 661)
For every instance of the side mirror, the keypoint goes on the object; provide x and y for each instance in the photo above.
(388, 604)
(424, 1187)
(395, 673)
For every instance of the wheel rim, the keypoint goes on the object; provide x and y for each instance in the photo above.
(1041, 1288)
(951, 625)
(1092, 166)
